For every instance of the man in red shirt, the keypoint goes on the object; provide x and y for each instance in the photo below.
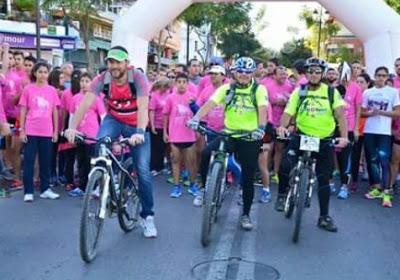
(127, 98)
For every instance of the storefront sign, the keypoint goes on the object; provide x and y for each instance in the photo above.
(28, 41)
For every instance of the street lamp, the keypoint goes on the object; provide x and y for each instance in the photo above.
(37, 23)
(319, 14)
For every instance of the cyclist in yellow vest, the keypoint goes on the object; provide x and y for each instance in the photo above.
(317, 111)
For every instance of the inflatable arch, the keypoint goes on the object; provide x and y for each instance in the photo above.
(372, 21)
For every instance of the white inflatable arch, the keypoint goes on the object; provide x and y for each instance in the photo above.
(372, 21)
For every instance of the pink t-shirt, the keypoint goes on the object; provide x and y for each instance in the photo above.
(40, 102)
(302, 81)
(214, 119)
(89, 125)
(67, 101)
(353, 99)
(3, 118)
(204, 82)
(267, 81)
(278, 92)
(157, 103)
(179, 113)
(15, 81)
(396, 82)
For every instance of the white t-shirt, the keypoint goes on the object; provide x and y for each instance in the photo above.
(384, 99)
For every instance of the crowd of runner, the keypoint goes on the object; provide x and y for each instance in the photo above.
(38, 102)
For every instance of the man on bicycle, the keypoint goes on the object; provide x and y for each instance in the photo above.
(127, 96)
(245, 104)
(316, 111)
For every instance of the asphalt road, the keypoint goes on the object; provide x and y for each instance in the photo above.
(39, 241)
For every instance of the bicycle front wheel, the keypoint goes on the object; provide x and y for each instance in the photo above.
(129, 203)
(301, 202)
(212, 188)
(91, 223)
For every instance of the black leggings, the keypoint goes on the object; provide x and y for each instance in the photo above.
(356, 157)
(69, 165)
(158, 147)
(83, 154)
(344, 158)
(247, 152)
(324, 170)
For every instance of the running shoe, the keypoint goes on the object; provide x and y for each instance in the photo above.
(265, 196)
(176, 192)
(275, 179)
(387, 200)
(343, 193)
(327, 223)
(374, 193)
(193, 189)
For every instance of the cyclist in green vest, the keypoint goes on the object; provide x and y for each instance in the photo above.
(316, 111)
(245, 104)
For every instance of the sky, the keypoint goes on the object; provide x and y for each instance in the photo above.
(280, 16)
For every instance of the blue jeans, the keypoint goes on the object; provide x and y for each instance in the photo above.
(378, 149)
(44, 147)
(140, 156)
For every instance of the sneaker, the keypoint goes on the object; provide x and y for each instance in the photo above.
(176, 192)
(265, 196)
(193, 189)
(16, 185)
(186, 183)
(344, 193)
(280, 203)
(333, 187)
(4, 193)
(49, 194)
(77, 192)
(149, 229)
(387, 200)
(198, 199)
(245, 222)
(327, 224)
(275, 179)
(374, 193)
(154, 173)
(28, 197)
(336, 174)
(170, 180)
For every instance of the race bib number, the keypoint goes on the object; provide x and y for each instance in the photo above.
(309, 144)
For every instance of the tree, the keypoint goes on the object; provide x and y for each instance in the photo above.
(395, 4)
(292, 51)
(220, 26)
(78, 10)
(328, 29)
(345, 54)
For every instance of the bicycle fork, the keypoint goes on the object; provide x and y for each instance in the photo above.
(104, 196)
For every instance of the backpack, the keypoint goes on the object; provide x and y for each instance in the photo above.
(231, 94)
(107, 82)
(303, 94)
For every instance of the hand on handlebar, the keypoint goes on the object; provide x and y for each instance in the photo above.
(342, 142)
(193, 123)
(70, 134)
(257, 134)
(282, 132)
(136, 139)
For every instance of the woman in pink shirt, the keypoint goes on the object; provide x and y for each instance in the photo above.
(39, 129)
(88, 126)
(158, 146)
(177, 113)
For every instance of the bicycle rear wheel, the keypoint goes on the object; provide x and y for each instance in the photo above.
(212, 188)
(91, 224)
(301, 202)
(129, 204)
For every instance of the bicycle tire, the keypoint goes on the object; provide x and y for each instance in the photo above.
(88, 250)
(301, 202)
(289, 203)
(127, 193)
(210, 204)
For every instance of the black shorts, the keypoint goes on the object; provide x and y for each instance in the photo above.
(183, 145)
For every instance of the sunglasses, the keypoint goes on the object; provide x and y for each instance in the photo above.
(318, 72)
(240, 71)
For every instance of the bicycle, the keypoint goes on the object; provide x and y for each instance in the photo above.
(303, 179)
(104, 195)
(215, 187)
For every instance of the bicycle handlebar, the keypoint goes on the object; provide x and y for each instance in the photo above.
(104, 140)
(203, 129)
